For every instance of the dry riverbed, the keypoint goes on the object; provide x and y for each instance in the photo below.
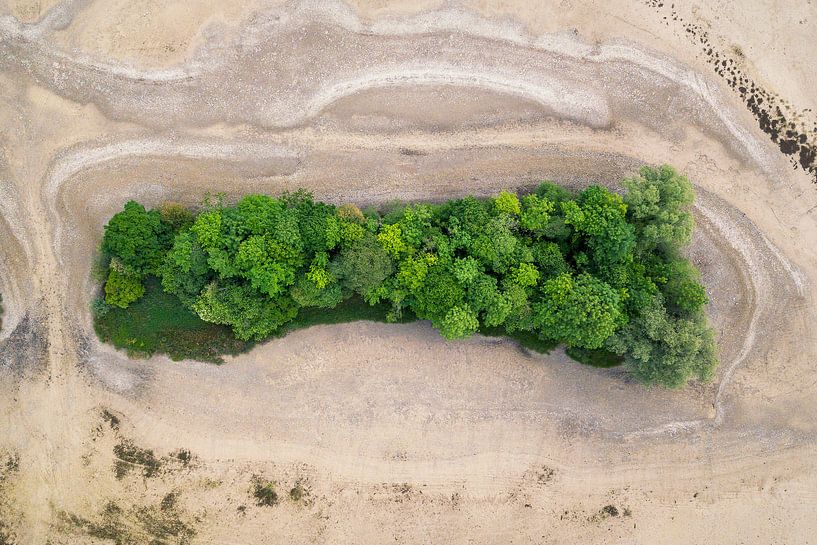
(371, 432)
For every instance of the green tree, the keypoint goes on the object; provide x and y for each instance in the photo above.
(122, 289)
(464, 220)
(308, 294)
(599, 216)
(549, 259)
(659, 202)
(439, 293)
(269, 265)
(535, 216)
(185, 271)
(251, 314)
(133, 236)
(459, 322)
(579, 311)
(515, 303)
(362, 266)
(495, 246)
(507, 203)
(661, 350)
(553, 192)
(684, 295)
(466, 269)
(526, 275)
(391, 239)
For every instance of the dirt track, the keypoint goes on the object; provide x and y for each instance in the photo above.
(397, 435)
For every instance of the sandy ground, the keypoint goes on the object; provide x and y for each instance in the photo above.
(393, 434)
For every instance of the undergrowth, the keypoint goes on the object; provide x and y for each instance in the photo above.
(158, 323)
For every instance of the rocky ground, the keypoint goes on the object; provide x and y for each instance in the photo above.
(374, 432)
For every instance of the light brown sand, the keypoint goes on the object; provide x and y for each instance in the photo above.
(397, 435)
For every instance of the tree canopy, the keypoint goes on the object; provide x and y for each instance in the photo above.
(593, 270)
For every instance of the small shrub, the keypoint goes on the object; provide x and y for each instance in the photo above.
(99, 308)
(610, 510)
(350, 212)
(111, 419)
(264, 492)
(176, 215)
(168, 501)
(184, 456)
(297, 492)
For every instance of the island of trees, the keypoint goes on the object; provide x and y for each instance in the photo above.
(599, 272)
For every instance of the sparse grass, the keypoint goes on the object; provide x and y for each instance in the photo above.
(6, 535)
(264, 492)
(10, 516)
(168, 501)
(129, 457)
(12, 464)
(738, 51)
(161, 524)
(159, 323)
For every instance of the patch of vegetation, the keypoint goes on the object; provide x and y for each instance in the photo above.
(161, 524)
(10, 516)
(525, 339)
(184, 456)
(111, 419)
(609, 511)
(168, 501)
(159, 323)
(298, 492)
(351, 310)
(130, 457)
(7, 536)
(601, 273)
(545, 474)
(596, 358)
(264, 492)
(12, 465)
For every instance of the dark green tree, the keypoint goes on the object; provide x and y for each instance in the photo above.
(362, 266)
(132, 235)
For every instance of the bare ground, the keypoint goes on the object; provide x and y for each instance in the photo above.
(391, 433)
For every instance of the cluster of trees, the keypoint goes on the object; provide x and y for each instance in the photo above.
(592, 270)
